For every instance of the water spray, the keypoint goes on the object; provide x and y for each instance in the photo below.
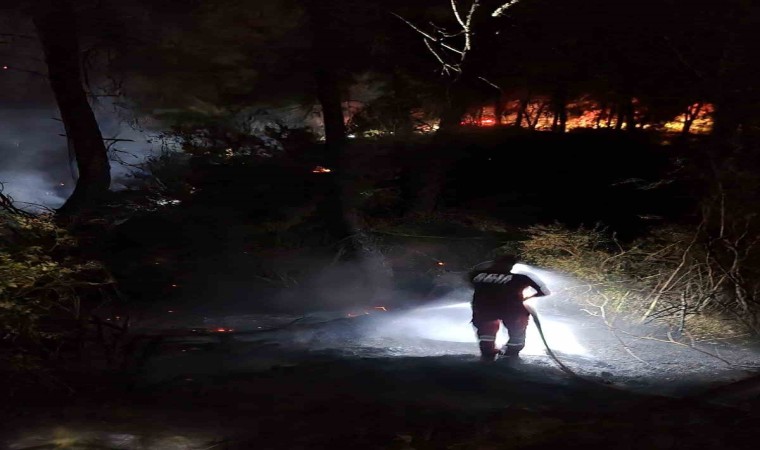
(526, 269)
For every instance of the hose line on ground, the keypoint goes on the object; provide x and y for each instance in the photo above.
(561, 365)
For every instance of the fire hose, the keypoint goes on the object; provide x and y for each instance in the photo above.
(554, 357)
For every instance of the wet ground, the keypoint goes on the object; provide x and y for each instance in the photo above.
(631, 358)
(406, 378)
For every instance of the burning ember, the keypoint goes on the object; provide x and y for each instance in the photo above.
(320, 169)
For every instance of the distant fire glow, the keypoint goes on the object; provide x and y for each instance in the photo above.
(697, 118)
(585, 113)
(321, 169)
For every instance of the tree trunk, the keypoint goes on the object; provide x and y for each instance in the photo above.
(428, 177)
(521, 111)
(405, 124)
(689, 115)
(559, 103)
(620, 117)
(610, 114)
(687, 123)
(339, 208)
(498, 109)
(726, 121)
(533, 122)
(599, 116)
(56, 26)
(630, 115)
(451, 118)
(336, 209)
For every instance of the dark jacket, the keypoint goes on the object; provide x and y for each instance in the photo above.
(499, 292)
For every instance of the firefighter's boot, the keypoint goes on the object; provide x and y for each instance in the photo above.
(488, 351)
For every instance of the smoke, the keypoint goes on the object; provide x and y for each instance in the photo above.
(35, 167)
(129, 143)
(34, 163)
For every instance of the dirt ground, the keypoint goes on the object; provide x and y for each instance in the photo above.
(407, 379)
(404, 402)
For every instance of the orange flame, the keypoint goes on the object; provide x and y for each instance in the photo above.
(589, 114)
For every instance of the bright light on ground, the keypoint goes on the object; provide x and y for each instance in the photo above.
(451, 323)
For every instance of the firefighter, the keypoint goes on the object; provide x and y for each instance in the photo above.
(498, 298)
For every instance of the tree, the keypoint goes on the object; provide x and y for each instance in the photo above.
(453, 47)
(56, 25)
(326, 70)
(716, 48)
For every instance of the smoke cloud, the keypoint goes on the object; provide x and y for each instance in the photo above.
(35, 167)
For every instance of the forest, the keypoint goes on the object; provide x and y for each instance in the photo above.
(185, 175)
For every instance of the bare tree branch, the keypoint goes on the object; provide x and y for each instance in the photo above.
(446, 66)
(456, 14)
(428, 36)
(498, 12)
(467, 27)
(7, 203)
(493, 85)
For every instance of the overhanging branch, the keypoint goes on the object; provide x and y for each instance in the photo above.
(428, 36)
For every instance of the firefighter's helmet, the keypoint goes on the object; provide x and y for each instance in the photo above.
(505, 262)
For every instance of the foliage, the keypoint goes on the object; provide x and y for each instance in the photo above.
(582, 252)
(405, 105)
(168, 170)
(674, 276)
(211, 57)
(46, 290)
(226, 138)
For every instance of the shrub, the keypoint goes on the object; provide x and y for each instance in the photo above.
(675, 276)
(47, 292)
